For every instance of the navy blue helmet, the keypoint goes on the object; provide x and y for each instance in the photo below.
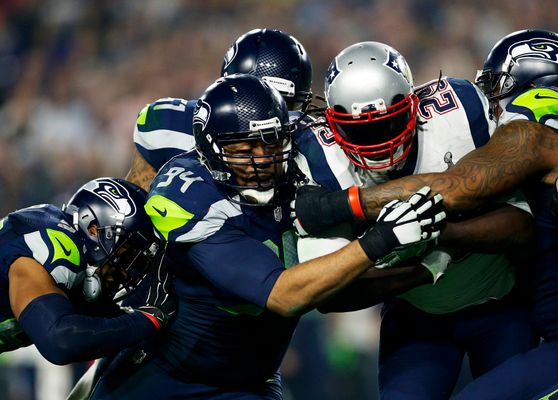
(109, 216)
(242, 108)
(276, 57)
(518, 61)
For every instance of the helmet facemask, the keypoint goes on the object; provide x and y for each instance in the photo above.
(117, 235)
(257, 177)
(117, 261)
(244, 137)
(373, 136)
(496, 86)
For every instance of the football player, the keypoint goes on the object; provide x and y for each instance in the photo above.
(387, 129)
(53, 259)
(164, 128)
(223, 210)
(520, 77)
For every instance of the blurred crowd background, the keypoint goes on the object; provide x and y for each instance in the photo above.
(75, 73)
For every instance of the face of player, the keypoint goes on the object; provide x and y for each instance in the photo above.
(112, 276)
(113, 272)
(255, 163)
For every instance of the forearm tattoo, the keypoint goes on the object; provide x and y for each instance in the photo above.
(516, 152)
(141, 172)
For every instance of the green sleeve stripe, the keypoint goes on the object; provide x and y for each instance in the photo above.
(64, 247)
(242, 309)
(142, 116)
(540, 101)
(166, 215)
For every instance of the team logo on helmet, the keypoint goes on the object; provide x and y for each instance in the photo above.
(332, 73)
(113, 194)
(536, 48)
(230, 55)
(396, 62)
(202, 113)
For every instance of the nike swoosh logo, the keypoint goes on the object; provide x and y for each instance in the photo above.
(162, 213)
(65, 250)
(538, 96)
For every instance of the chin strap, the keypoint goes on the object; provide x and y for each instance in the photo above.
(258, 196)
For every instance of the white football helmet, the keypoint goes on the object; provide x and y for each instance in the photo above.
(372, 108)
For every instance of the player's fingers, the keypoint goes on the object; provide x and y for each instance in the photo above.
(421, 194)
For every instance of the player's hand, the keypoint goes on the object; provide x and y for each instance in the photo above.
(317, 209)
(402, 223)
(160, 303)
(405, 253)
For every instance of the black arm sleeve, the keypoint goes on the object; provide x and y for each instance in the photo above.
(63, 337)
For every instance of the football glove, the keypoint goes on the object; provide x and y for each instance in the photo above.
(160, 303)
(405, 253)
(402, 223)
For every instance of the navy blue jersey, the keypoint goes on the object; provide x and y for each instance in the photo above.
(43, 233)
(227, 258)
(521, 377)
(540, 105)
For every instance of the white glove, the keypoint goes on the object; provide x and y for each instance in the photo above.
(404, 222)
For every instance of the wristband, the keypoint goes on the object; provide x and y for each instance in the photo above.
(355, 204)
(374, 245)
(318, 209)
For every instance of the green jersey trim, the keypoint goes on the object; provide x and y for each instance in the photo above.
(166, 215)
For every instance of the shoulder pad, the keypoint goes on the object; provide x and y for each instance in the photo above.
(164, 129)
(539, 104)
(166, 113)
(39, 217)
(183, 196)
(45, 230)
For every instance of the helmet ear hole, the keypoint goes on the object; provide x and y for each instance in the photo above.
(92, 229)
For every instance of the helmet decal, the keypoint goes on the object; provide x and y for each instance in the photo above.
(229, 56)
(396, 62)
(536, 48)
(114, 195)
(332, 72)
(202, 112)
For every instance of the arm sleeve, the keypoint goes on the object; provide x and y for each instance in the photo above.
(63, 337)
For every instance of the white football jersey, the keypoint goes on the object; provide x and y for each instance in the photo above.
(453, 120)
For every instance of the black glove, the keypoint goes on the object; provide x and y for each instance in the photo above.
(160, 303)
(318, 209)
(404, 222)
